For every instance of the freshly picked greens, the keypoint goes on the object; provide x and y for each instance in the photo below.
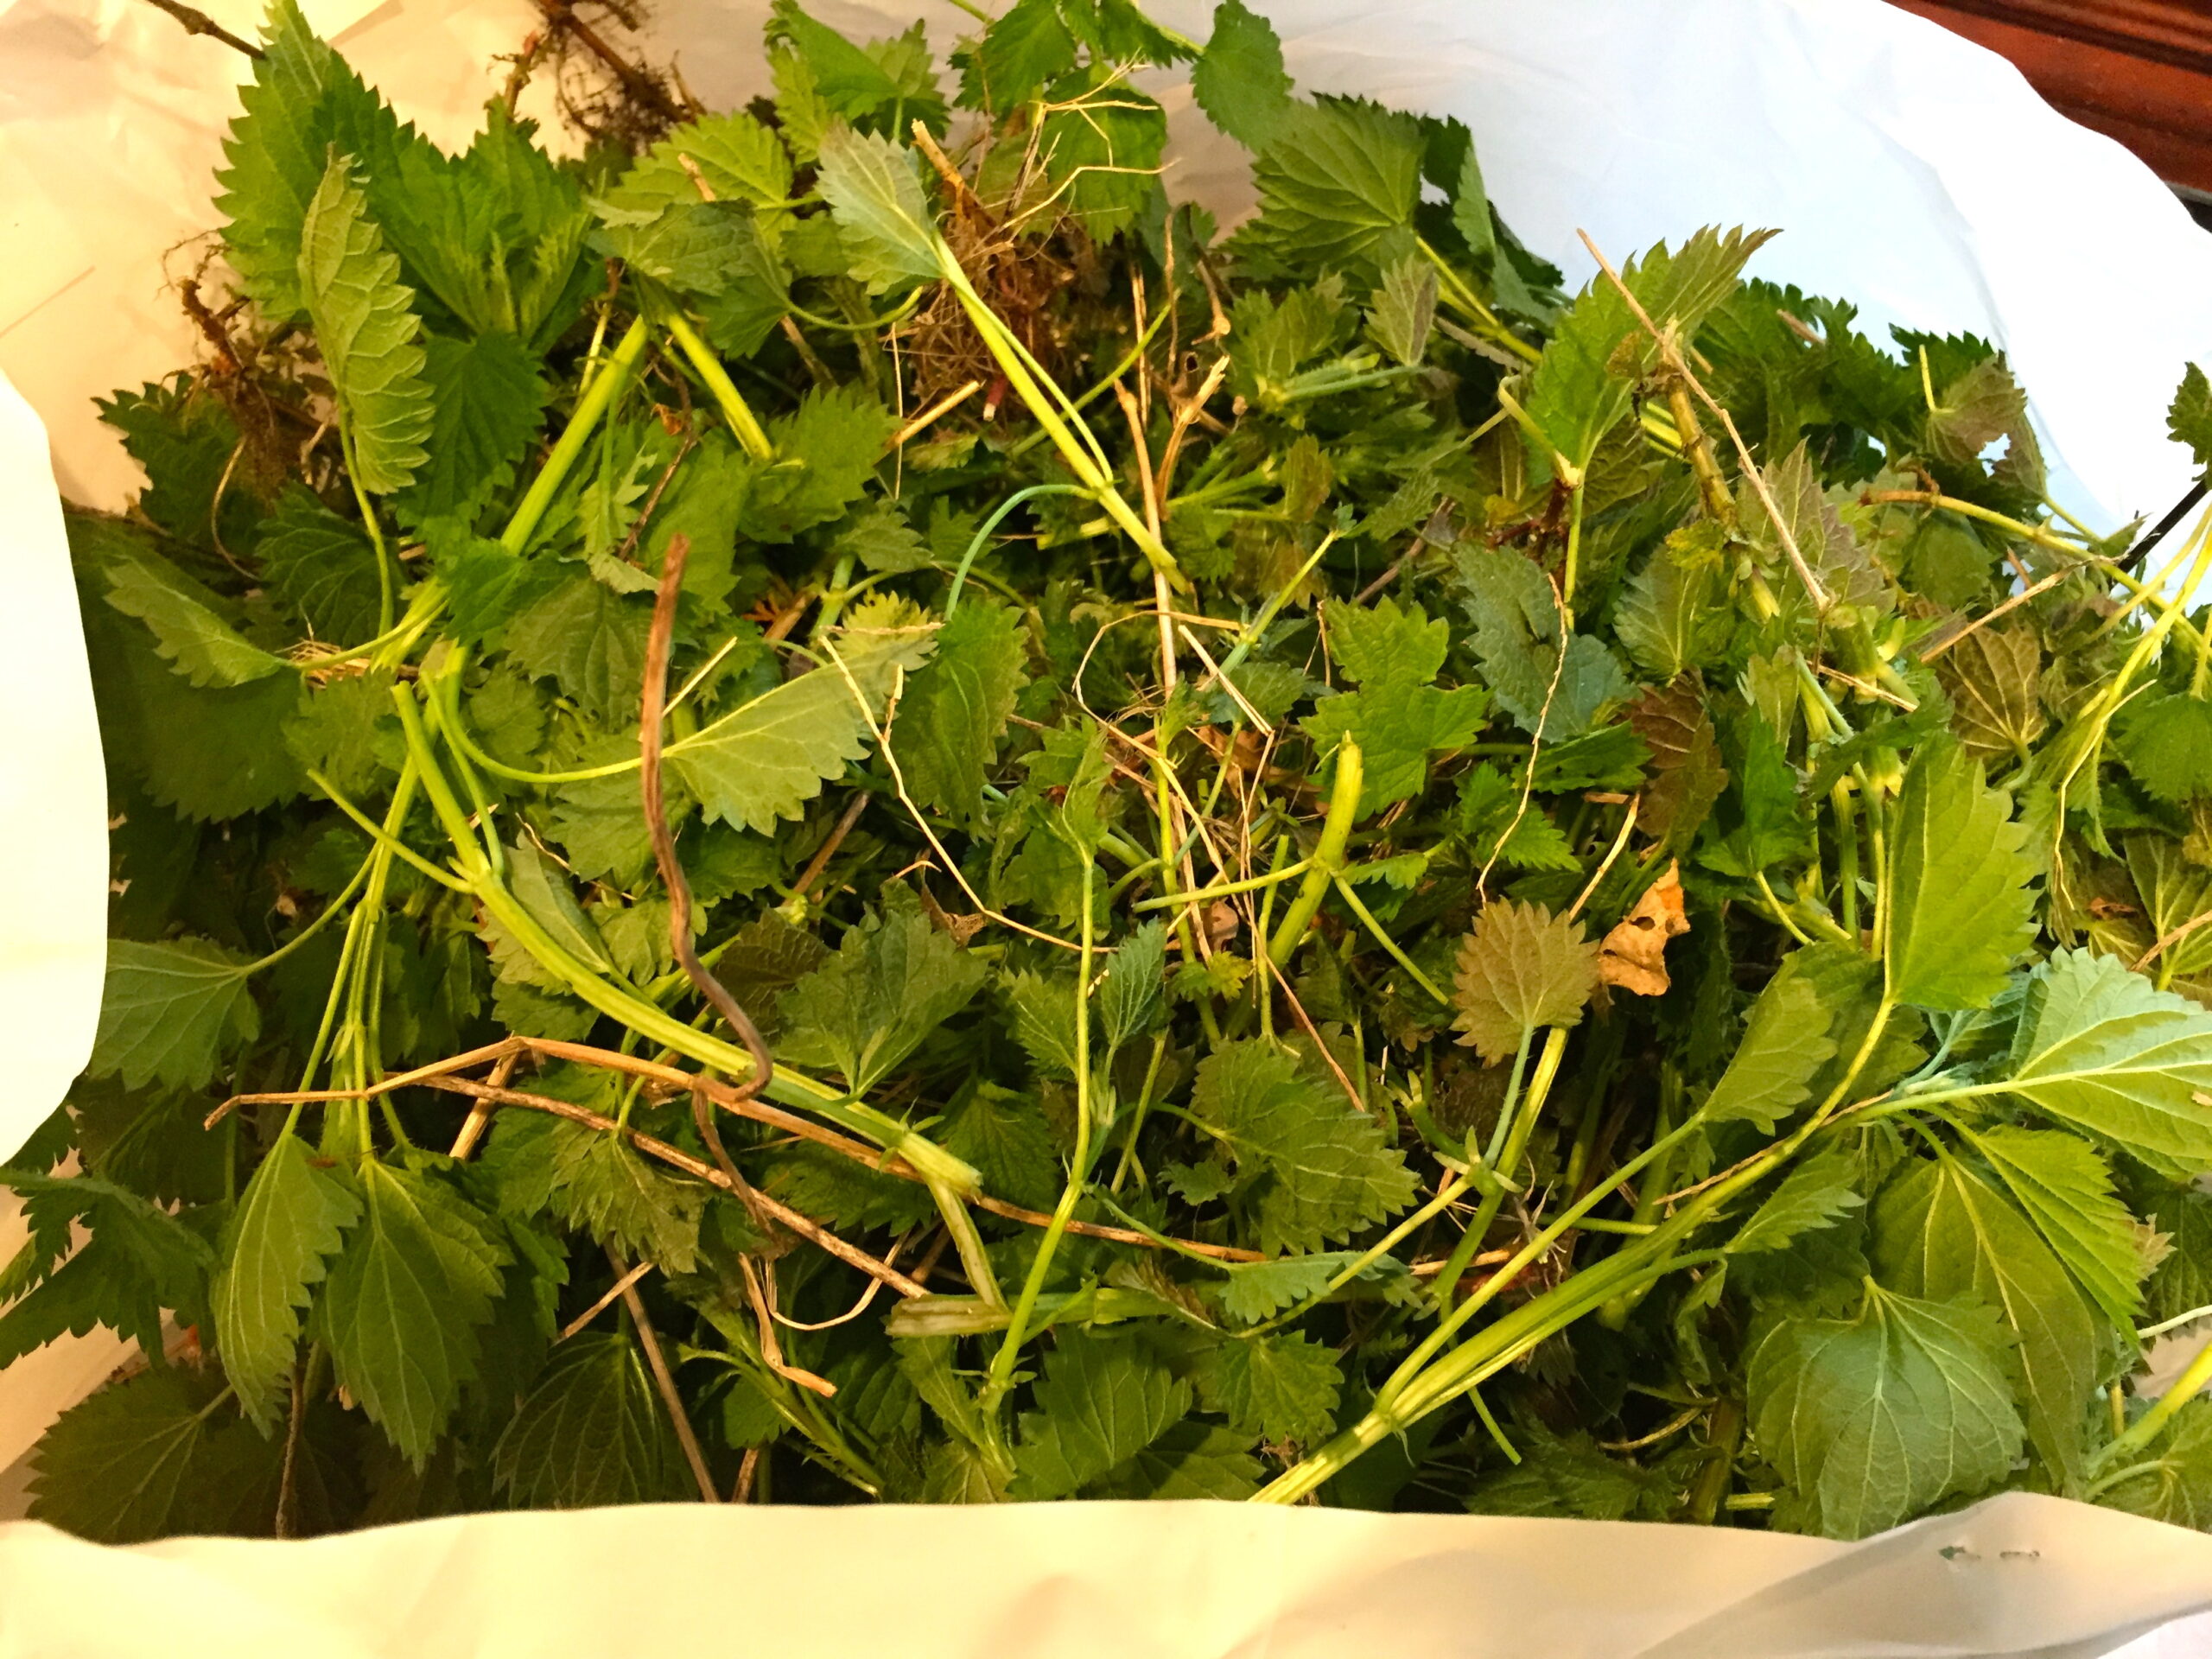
(832, 804)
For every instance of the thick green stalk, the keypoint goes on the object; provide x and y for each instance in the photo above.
(1328, 857)
(598, 395)
(2185, 1387)
(708, 367)
(1517, 1122)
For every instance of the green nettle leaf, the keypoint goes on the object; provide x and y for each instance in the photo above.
(1335, 178)
(1686, 776)
(1026, 47)
(766, 759)
(1239, 82)
(303, 99)
(2189, 419)
(2166, 739)
(187, 623)
(487, 400)
(137, 1261)
(1043, 1022)
(1600, 351)
(1961, 910)
(826, 452)
(1568, 1475)
(346, 731)
(365, 325)
(1316, 1170)
(1817, 1193)
(1517, 622)
(1006, 1136)
(405, 1302)
(113, 1467)
(1666, 619)
(1944, 1230)
(590, 1431)
(2065, 1186)
(1101, 1401)
(1282, 1387)
(875, 196)
(1875, 1417)
(2175, 1486)
(1131, 989)
(168, 1009)
(320, 565)
(735, 157)
(1521, 968)
(278, 1245)
(954, 711)
(1785, 1044)
(1991, 677)
(2102, 1050)
(894, 980)
(1397, 717)
(1845, 572)
(604, 1187)
(1404, 309)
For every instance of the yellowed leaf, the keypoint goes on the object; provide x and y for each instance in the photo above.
(1633, 956)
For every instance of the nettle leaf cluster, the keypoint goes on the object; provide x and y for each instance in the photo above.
(1359, 879)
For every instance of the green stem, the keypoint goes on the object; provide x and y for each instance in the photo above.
(598, 395)
(387, 578)
(989, 527)
(1009, 1351)
(2145, 1429)
(1226, 889)
(382, 838)
(1517, 1122)
(1358, 908)
(1328, 858)
(751, 435)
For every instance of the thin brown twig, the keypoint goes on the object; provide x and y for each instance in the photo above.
(479, 1114)
(772, 1348)
(2173, 935)
(675, 1157)
(440, 1077)
(664, 1380)
(614, 1294)
(671, 870)
(1670, 354)
(1931, 653)
(827, 850)
(199, 23)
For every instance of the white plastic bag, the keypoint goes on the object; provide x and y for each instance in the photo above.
(2017, 1576)
(1912, 172)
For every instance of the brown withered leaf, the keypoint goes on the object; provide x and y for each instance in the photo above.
(1633, 956)
(1686, 776)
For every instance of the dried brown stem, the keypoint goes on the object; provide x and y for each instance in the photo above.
(1670, 354)
(671, 870)
(199, 23)
(614, 1294)
(664, 1380)
(782, 1213)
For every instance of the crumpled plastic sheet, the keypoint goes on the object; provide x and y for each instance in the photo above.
(1912, 173)
(2019, 1575)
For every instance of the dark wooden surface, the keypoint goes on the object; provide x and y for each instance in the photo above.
(2139, 70)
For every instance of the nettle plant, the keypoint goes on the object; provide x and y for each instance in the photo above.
(836, 807)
